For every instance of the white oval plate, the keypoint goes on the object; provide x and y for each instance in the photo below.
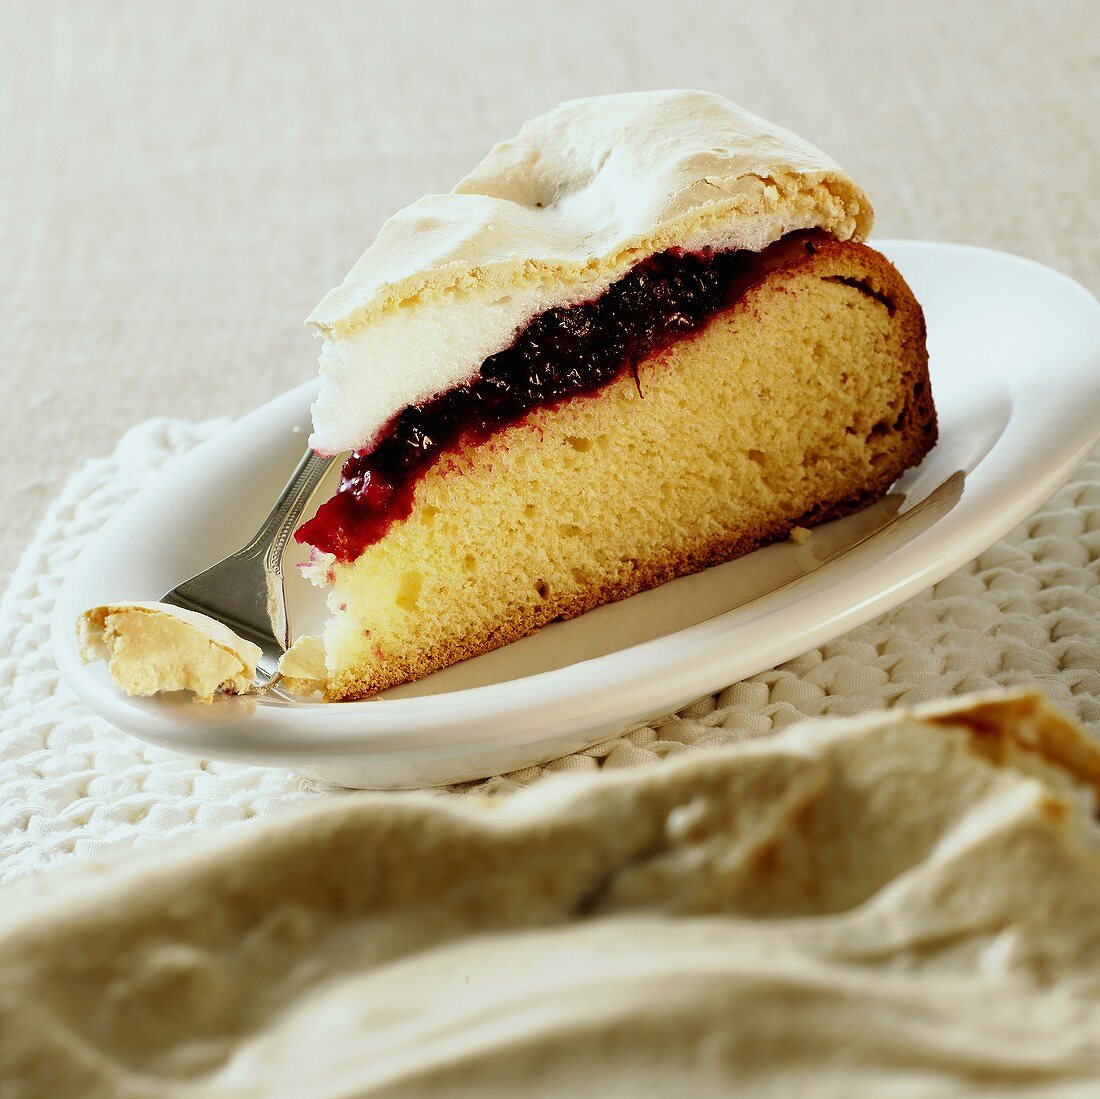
(1015, 354)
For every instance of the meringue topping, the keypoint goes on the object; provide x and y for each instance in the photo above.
(549, 219)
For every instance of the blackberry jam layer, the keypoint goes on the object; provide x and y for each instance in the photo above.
(562, 353)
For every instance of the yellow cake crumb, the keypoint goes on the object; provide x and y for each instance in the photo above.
(803, 401)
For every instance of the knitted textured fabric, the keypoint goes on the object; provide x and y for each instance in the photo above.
(1027, 611)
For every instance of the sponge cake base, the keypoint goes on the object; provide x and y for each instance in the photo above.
(804, 401)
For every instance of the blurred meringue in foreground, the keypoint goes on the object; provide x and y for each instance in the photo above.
(895, 905)
(154, 647)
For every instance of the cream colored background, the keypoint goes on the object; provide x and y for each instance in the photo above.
(180, 182)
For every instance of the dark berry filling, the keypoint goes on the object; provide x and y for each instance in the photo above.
(560, 354)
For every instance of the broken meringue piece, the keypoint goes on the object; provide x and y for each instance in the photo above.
(302, 667)
(154, 647)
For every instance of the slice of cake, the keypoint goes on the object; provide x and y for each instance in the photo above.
(639, 339)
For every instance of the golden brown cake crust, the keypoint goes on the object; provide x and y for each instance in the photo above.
(916, 426)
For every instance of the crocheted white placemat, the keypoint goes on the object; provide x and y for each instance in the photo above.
(1026, 611)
